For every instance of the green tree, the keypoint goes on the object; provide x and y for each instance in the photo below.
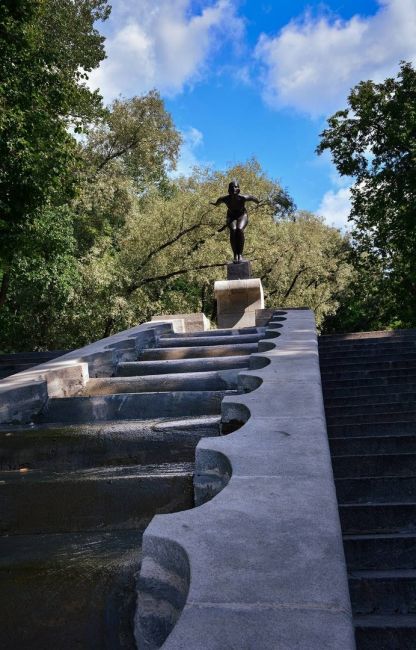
(45, 278)
(128, 152)
(47, 49)
(171, 249)
(374, 141)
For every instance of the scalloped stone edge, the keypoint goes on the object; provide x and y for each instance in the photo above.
(261, 564)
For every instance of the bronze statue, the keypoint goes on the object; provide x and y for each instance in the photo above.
(237, 218)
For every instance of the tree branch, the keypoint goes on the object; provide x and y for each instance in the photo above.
(168, 243)
(172, 274)
(295, 279)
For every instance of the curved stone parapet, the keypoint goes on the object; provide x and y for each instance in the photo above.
(264, 561)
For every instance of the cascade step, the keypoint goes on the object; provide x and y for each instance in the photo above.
(385, 632)
(374, 465)
(197, 351)
(378, 518)
(221, 332)
(380, 552)
(373, 445)
(373, 428)
(383, 592)
(99, 498)
(95, 445)
(170, 366)
(69, 591)
(376, 489)
(185, 381)
(189, 341)
(133, 406)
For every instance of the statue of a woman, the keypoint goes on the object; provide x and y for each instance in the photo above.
(237, 218)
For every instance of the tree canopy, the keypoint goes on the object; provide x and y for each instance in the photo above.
(374, 141)
(47, 48)
(96, 233)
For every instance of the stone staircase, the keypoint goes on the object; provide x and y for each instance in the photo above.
(81, 483)
(369, 384)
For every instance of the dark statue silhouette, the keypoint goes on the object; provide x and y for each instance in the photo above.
(237, 218)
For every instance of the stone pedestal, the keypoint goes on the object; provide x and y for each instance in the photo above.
(240, 271)
(237, 301)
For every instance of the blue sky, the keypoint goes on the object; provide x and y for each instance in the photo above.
(246, 78)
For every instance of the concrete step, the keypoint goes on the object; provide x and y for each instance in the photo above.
(189, 341)
(366, 367)
(69, 591)
(374, 465)
(388, 517)
(367, 385)
(361, 358)
(367, 406)
(373, 445)
(380, 552)
(197, 351)
(386, 413)
(339, 347)
(170, 366)
(396, 632)
(361, 377)
(401, 489)
(137, 442)
(369, 352)
(133, 406)
(383, 592)
(185, 381)
(370, 401)
(399, 427)
(354, 337)
(106, 498)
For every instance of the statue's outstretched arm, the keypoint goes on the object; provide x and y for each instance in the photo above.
(218, 201)
(250, 197)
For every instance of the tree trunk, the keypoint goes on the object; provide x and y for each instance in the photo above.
(4, 286)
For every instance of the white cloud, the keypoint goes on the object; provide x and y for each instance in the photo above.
(313, 62)
(335, 207)
(192, 139)
(161, 43)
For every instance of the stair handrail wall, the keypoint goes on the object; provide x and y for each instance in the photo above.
(264, 559)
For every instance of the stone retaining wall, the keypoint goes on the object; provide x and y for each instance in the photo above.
(260, 565)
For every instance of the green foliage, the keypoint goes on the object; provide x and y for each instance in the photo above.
(44, 279)
(169, 252)
(374, 141)
(47, 48)
(128, 152)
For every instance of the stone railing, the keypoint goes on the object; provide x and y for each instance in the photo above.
(260, 565)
